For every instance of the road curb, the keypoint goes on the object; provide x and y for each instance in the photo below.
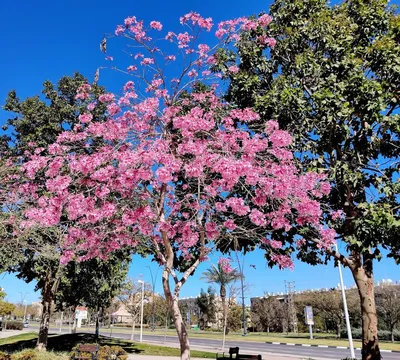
(324, 346)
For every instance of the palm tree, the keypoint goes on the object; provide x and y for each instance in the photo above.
(217, 275)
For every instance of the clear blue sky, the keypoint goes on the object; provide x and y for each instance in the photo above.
(47, 39)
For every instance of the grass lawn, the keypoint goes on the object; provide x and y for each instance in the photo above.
(62, 345)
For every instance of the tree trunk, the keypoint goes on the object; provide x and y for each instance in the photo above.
(338, 331)
(97, 331)
(73, 330)
(51, 282)
(133, 330)
(180, 327)
(392, 333)
(47, 298)
(224, 309)
(363, 276)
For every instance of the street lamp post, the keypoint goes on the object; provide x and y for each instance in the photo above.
(346, 312)
(141, 310)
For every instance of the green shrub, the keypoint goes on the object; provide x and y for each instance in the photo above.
(4, 356)
(382, 334)
(104, 353)
(14, 325)
(28, 354)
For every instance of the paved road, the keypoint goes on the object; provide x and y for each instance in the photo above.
(248, 346)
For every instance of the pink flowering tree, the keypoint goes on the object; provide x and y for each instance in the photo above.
(177, 170)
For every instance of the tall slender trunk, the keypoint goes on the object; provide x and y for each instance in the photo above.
(74, 324)
(392, 333)
(50, 287)
(180, 327)
(224, 309)
(97, 331)
(363, 276)
(133, 329)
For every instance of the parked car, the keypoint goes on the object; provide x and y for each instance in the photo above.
(26, 324)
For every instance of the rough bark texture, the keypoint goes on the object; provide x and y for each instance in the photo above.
(133, 330)
(49, 290)
(180, 327)
(47, 299)
(363, 276)
(97, 332)
(224, 308)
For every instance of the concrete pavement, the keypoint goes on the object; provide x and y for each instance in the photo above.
(8, 333)
(149, 357)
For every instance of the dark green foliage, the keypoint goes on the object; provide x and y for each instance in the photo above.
(93, 283)
(206, 304)
(332, 80)
(41, 119)
(383, 334)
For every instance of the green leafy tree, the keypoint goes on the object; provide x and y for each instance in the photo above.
(34, 254)
(219, 276)
(131, 297)
(234, 321)
(388, 305)
(268, 313)
(332, 80)
(94, 283)
(206, 303)
(6, 308)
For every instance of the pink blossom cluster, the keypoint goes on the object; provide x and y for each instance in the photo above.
(225, 265)
(171, 169)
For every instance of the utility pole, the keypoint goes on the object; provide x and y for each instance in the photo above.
(241, 269)
(291, 311)
(346, 312)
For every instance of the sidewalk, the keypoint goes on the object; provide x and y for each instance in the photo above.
(150, 357)
(8, 333)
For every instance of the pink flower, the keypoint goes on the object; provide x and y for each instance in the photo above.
(85, 118)
(338, 214)
(130, 20)
(233, 69)
(105, 98)
(264, 20)
(225, 265)
(280, 138)
(192, 73)
(265, 40)
(230, 224)
(119, 30)
(156, 25)
(147, 61)
(283, 261)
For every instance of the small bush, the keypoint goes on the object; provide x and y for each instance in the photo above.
(26, 355)
(382, 334)
(14, 325)
(4, 356)
(104, 352)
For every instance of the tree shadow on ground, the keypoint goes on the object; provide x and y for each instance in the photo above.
(65, 343)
